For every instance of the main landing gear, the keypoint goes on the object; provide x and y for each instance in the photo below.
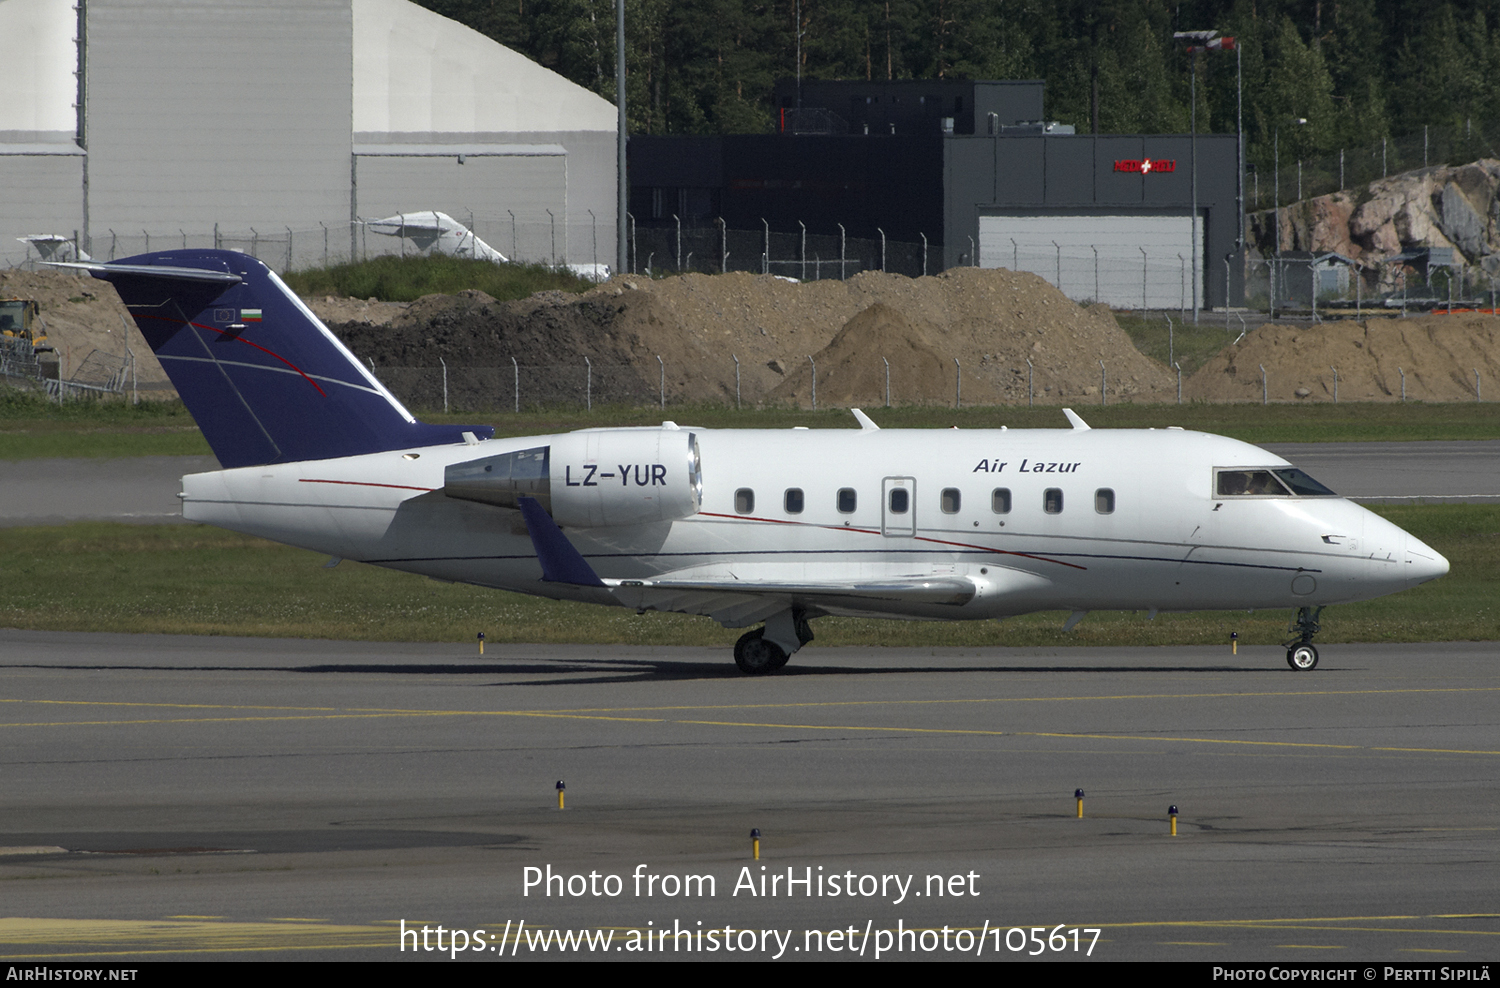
(767, 649)
(1301, 654)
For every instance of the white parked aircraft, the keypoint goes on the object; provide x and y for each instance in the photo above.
(759, 527)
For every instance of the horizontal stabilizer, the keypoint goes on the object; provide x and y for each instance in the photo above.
(264, 379)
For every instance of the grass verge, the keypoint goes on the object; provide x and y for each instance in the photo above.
(406, 279)
(31, 427)
(180, 579)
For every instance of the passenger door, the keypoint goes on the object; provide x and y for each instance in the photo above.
(898, 507)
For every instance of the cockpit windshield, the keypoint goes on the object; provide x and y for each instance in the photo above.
(1267, 482)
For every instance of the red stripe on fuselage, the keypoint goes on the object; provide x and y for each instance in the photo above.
(365, 483)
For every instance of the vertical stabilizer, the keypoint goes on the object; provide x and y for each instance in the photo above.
(265, 380)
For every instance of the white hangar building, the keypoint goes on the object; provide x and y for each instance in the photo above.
(275, 126)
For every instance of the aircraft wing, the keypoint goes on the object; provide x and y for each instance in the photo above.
(736, 599)
(735, 603)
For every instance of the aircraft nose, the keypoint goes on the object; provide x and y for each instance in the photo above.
(1423, 562)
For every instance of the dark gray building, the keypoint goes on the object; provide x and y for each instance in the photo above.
(974, 167)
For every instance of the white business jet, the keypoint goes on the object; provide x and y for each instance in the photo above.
(749, 527)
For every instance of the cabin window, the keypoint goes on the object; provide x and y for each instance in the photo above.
(846, 500)
(794, 500)
(900, 501)
(1104, 501)
(1052, 501)
(951, 500)
(744, 500)
(1000, 500)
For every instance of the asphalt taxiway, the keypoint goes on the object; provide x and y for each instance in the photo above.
(178, 797)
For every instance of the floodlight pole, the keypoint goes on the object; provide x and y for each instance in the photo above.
(622, 257)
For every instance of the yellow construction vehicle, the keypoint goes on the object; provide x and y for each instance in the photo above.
(23, 338)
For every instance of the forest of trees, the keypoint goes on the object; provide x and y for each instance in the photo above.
(1356, 70)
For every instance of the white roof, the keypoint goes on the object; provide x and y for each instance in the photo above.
(419, 72)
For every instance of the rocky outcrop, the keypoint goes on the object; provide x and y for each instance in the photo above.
(1448, 206)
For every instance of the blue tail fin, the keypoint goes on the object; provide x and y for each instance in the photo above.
(263, 377)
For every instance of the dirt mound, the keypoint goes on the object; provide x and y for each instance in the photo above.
(847, 375)
(81, 315)
(992, 321)
(1438, 353)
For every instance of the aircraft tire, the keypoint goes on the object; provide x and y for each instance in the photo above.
(1303, 658)
(755, 656)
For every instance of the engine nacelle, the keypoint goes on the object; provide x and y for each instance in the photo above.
(592, 479)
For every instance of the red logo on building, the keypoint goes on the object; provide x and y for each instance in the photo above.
(1146, 165)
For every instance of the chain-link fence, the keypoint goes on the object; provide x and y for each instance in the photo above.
(1290, 177)
(513, 387)
(652, 250)
(658, 250)
(1317, 285)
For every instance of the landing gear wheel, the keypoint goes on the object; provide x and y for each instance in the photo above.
(1302, 658)
(755, 656)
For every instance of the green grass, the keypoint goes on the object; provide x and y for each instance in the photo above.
(1191, 346)
(32, 427)
(406, 279)
(180, 579)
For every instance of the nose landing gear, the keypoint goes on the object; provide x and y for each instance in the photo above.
(1301, 654)
(767, 649)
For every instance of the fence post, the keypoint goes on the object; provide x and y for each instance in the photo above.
(1171, 348)
(325, 242)
(288, 247)
(1059, 264)
(1403, 382)
(1477, 396)
(516, 368)
(445, 384)
(814, 381)
(1103, 385)
(1030, 389)
(552, 222)
(588, 386)
(723, 247)
(1182, 298)
(958, 384)
(736, 381)
(1096, 272)
(974, 251)
(924, 253)
(1015, 255)
(1143, 278)
(1335, 383)
(882, 248)
(888, 381)
(593, 231)
(767, 262)
(513, 254)
(804, 249)
(1264, 393)
(663, 368)
(843, 270)
(1179, 381)
(679, 242)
